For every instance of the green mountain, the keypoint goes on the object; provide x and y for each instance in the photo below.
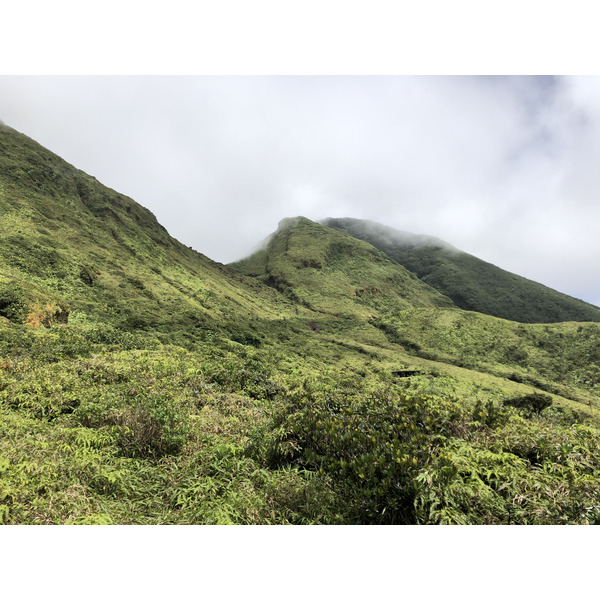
(330, 272)
(471, 283)
(316, 381)
(360, 293)
(71, 243)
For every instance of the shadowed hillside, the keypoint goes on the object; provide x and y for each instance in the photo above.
(471, 283)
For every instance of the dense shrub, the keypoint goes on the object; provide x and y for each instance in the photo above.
(12, 304)
(370, 447)
(145, 425)
(489, 413)
(530, 404)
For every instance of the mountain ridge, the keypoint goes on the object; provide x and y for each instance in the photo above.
(303, 255)
(66, 231)
(471, 283)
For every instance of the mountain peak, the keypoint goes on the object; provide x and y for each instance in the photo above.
(471, 283)
(362, 228)
(289, 222)
(335, 273)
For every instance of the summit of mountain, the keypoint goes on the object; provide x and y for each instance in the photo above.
(332, 272)
(471, 283)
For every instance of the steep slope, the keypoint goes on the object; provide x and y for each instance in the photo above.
(71, 248)
(471, 283)
(330, 272)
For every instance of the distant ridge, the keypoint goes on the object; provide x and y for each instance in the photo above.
(471, 283)
(386, 235)
(335, 273)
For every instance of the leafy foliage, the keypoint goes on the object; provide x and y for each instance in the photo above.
(317, 381)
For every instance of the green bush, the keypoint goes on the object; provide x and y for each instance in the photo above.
(490, 414)
(370, 447)
(530, 404)
(12, 304)
(147, 425)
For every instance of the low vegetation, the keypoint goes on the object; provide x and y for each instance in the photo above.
(94, 433)
(316, 382)
(471, 283)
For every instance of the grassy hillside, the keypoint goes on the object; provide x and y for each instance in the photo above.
(317, 381)
(471, 283)
(331, 272)
(71, 243)
(562, 358)
(125, 430)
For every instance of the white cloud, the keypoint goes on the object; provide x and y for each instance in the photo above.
(504, 168)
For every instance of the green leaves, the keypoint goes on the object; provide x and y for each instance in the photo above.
(370, 447)
(530, 404)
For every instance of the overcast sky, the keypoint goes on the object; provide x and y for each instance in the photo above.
(506, 168)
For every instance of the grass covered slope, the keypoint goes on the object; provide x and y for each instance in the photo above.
(331, 272)
(316, 382)
(471, 283)
(67, 241)
(562, 358)
(128, 430)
